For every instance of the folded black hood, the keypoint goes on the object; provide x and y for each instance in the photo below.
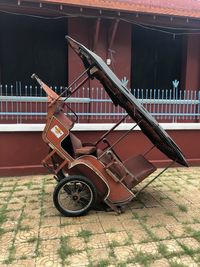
(121, 96)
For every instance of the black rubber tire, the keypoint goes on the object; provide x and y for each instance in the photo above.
(60, 175)
(81, 180)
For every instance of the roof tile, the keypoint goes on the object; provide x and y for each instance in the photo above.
(187, 8)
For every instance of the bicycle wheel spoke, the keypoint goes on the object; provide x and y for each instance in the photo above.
(75, 196)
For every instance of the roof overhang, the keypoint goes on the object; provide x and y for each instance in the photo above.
(186, 8)
(124, 10)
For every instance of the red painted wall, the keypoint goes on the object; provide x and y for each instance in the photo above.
(192, 77)
(83, 30)
(22, 153)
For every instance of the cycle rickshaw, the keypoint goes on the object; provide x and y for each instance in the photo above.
(86, 173)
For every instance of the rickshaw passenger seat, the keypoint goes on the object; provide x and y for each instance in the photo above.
(79, 149)
(131, 171)
(140, 168)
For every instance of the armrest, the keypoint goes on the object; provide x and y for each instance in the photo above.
(116, 167)
(110, 149)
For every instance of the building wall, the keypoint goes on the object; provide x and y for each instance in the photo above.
(83, 30)
(192, 64)
(22, 152)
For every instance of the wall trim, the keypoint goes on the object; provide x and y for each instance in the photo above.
(95, 127)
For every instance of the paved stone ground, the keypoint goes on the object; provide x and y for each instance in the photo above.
(159, 229)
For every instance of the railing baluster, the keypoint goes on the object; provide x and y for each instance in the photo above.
(27, 104)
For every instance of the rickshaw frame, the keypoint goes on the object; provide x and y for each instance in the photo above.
(100, 170)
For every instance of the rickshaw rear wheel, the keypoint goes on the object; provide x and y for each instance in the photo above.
(74, 196)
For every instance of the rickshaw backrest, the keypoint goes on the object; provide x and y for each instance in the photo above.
(79, 149)
(76, 142)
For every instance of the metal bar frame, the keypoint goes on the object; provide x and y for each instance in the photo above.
(72, 84)
(156, 177)
(118, 140)
(109, 131)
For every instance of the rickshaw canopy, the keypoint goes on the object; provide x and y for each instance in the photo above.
(123, 97)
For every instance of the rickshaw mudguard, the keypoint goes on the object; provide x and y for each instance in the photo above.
(112, 191)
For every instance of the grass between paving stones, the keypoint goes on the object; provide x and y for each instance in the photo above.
(3, 214)
(176, 264)
(3, 209)
(162, 248)
(21, 227)
(183, 208)
(101, 263)
(85, 234)
(42, 212)
(193, 233)
(12, 249)
(143, 259)
(65, 249)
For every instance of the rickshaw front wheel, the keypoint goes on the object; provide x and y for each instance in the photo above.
(74, 196)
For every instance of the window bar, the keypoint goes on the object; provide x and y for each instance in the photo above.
(6, 87)
(1, 93)
(36, 104)
(12, 104)
(20, 102)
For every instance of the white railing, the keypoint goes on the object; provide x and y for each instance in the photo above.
(29, 105)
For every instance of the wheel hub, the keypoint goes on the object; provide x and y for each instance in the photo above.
(75, 197)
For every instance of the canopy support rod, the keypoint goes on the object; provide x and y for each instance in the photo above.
(149, 150)
(118, 140)
(78, 78)
(157, 176)
(109, 131)
(77, 87)
(74, 82)
(124, 135)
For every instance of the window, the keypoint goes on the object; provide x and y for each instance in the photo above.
(156, 59)
(32, 45)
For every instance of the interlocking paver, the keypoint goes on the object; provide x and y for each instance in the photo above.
(25, 249)
(7, 238)
(119, 237)
(77, 243)
(122, 253)
(24, 236)
(184, 261)
(172, 246)
(98, 241)
(70, 230)
(161, 228)
(160, 263)
(23, 263)
(94, 228)
(160, 233)
(78, 259)
(190, 243)
(177, 229)
(49, 247)
(149, 247)
(97, 255)
(50, 232)
(47, 261)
